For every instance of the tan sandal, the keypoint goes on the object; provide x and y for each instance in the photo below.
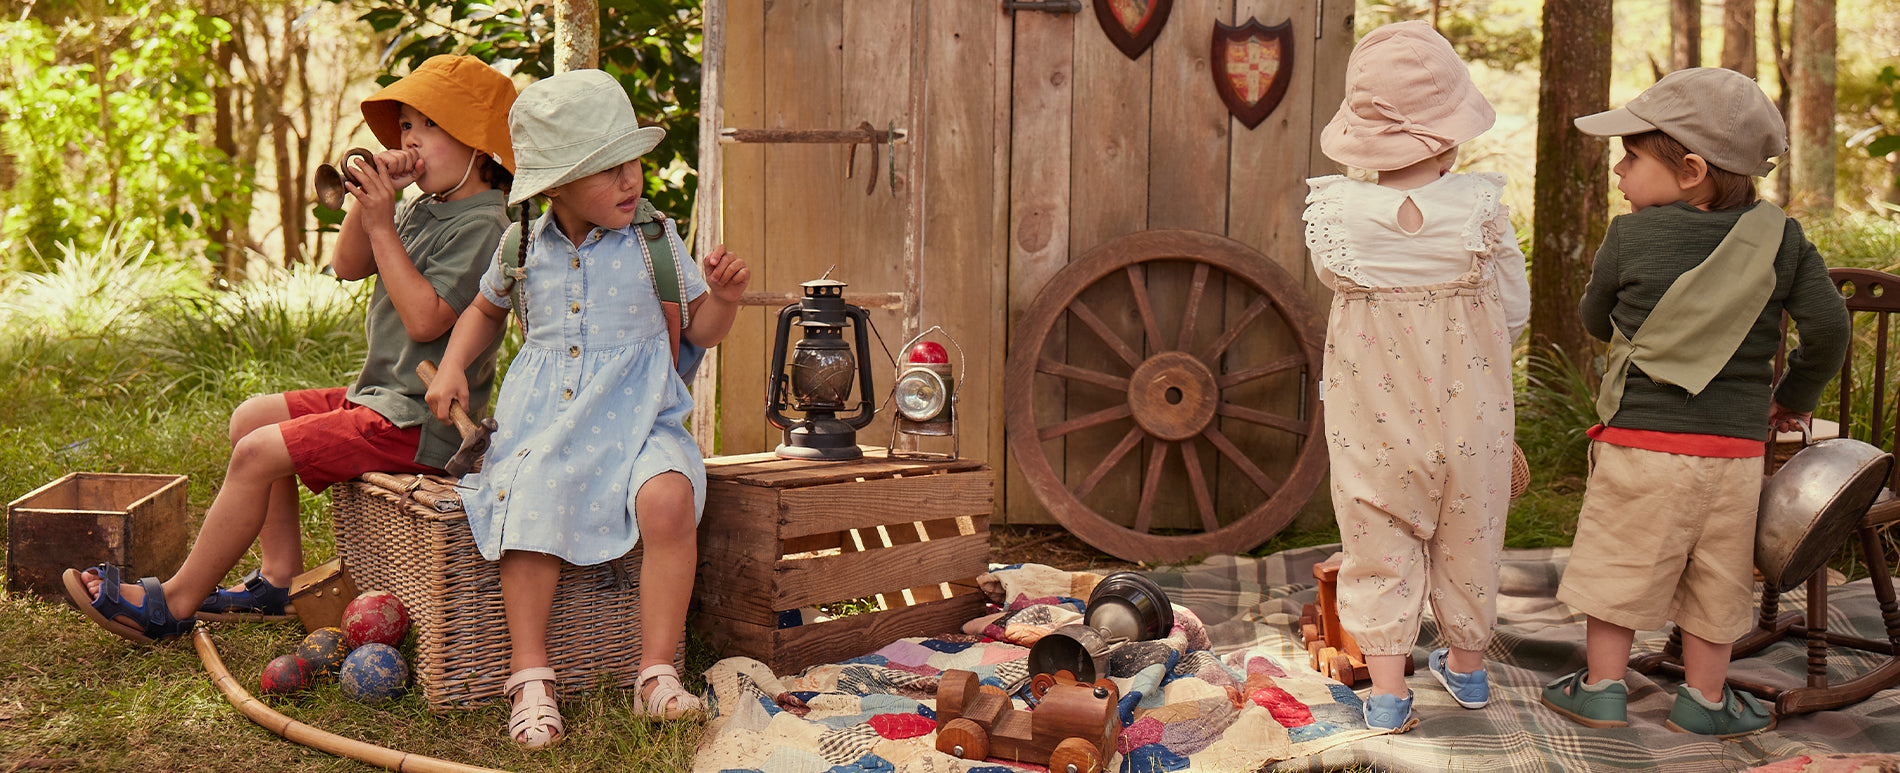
(666, 690)
(535, 721)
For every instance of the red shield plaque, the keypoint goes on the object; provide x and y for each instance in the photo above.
(1132, 25)
(1252, 64)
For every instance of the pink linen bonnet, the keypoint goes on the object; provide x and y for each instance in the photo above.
(1408, 98)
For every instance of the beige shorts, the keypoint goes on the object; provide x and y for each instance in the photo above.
(1666, 537)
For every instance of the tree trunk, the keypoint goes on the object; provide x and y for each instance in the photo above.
(223, 233)
(1572, 178)
(1685, 34)
(576, 35)
(1784, 67)
(1738, 36)
(1812, 159)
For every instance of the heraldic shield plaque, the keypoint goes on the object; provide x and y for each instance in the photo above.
(1132, 25)
(1253, 63)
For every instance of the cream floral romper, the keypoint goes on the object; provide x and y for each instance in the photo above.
(1417, 400)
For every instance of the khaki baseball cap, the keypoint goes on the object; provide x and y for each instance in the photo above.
(1718, 114)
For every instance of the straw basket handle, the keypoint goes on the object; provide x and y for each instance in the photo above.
(1520, 472)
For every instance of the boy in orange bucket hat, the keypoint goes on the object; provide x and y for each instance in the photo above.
(445, 127)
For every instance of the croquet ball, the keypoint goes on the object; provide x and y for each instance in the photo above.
(324, 649)
(286, 674)
(376, 616)
(374, 673)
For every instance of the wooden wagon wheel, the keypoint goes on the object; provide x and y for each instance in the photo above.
(1177, 337)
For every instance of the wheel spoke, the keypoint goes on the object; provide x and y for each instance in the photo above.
(1146, 306)
(1144, 512)
(1253, 472)
(1238, 377)
(1262, 418)
(1255, 309)
(1197, 480)
(1108, 462)
(1195, 287)
(1096, 377)
(1095, 419)
(1082, 312)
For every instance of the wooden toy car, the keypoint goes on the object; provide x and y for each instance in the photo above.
(1073, 728)
(1329, 648)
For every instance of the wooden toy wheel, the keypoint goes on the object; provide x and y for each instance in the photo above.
(1342, 669)
(1075, 755)
(963, 739)
(1180, 365)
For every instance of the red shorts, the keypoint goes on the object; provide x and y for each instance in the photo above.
(331, 439)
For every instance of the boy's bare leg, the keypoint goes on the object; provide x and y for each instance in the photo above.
(528, 581)
(281, 540)
(258, 461)
(1388, 674)
(1607, 650)
(664, 507)
(1705, 664)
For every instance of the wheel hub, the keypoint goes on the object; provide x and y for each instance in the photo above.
(1173, 395)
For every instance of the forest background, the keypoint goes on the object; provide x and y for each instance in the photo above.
(161, 259)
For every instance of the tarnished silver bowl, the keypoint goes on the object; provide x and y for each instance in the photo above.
(1811, 504)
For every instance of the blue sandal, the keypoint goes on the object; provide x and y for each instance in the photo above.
(156, 623)
(259, 600)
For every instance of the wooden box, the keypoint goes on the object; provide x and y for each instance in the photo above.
(781, 538)
(408, 535)
(135, 522)
(321, 594)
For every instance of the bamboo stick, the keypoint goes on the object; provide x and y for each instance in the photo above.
(290, 729)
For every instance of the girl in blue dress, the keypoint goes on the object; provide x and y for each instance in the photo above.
(592, 454)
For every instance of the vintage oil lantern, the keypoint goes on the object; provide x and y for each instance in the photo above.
(924, 393)
(823, 364)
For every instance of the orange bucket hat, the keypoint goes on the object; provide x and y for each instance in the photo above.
(1408, 98)
(461, 94)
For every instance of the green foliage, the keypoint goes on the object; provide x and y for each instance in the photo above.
(101, 117)
(650, 46)
(1888, 143)
(1480, 30)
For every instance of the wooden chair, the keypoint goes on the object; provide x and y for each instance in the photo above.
(1875, 295)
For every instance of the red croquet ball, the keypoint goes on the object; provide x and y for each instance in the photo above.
(376, 616)
(929, 351)
(286, 674)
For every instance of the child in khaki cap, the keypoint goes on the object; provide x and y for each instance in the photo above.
(1689, 289)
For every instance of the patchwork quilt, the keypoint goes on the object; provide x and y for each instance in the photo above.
(1183, 706)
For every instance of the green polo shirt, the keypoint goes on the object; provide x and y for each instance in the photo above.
(451, 244)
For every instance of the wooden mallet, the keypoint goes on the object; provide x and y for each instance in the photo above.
(474, 435)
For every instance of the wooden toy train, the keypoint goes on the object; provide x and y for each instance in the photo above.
(1073, 728)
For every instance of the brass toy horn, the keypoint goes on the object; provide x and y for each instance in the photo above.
(329, 180)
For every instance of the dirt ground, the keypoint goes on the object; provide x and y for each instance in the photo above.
(1051, 546)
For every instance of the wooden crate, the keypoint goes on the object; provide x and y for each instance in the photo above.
(780, 537)
(134, 522)
(408, 535)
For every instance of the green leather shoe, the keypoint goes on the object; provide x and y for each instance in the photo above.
(1741, 714)
(1608, 707)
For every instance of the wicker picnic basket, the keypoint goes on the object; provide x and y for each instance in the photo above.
(1520, 472)
(407, 534)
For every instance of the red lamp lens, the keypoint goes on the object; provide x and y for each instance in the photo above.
(929, 351)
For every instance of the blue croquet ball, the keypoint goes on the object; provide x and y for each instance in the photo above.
(286, 674)
(324, 649)
(374, 673)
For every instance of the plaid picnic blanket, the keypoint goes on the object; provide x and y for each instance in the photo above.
(1255, 604)
(1236, 621)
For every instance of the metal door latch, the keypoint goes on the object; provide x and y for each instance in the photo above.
(1046, 6)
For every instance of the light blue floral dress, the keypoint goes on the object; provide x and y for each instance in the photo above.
(591, 407)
